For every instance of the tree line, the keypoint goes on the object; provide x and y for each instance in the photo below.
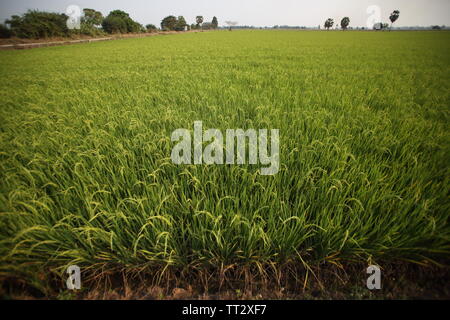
(40, 24)
(36, 24)
(345, 22)
(172, 23)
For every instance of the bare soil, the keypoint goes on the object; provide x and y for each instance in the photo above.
(399, 281)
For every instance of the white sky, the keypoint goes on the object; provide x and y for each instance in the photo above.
(252, 12)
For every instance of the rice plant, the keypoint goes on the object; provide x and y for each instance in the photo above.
(86, 176)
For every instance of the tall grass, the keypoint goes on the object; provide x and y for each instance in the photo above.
(86, 176)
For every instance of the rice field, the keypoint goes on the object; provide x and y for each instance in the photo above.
(86, 176)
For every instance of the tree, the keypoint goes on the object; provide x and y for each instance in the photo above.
(329, 23)
(119, 21)
(345, 22)
(215, 23)
(181, 24)
(137, 27)
(90, 22)
(169, 23)
(394, 16)
(151, 28)
(38, 24)
(4, 32)
(92, 17)
(113, 24)
(132, 26)
(199, 20)
(119, 14)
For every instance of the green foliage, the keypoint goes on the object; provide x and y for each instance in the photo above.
(199, 21)
(38, 24)
(151, 28)
(394, 16)
(181, 24)
(119, 21)
(329, 23)
(5, 32)
(119, 14)
(345, 22)
(138, 28)
(90, 22)
(215, 23)
(92, 17)
(113, 24)
(169, 23)
(91, 31)
(86, 176)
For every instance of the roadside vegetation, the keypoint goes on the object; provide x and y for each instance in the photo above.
(36, 24)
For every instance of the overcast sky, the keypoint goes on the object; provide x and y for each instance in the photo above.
(252, 12)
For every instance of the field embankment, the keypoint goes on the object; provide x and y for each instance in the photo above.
(18, 43)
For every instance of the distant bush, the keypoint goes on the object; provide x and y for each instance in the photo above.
(4, 32)
(215, 23)
(91, 31)
(181, 24)
(114, 25)
(142, 29)
(169, 23)
(151, 28)
(91, 22)
(38, 24)
(92, 17)
(119, 21)
(172, 23)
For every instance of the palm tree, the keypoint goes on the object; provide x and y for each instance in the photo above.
(199, 20)
(329, 23)
(345, 22)
(394, 16)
